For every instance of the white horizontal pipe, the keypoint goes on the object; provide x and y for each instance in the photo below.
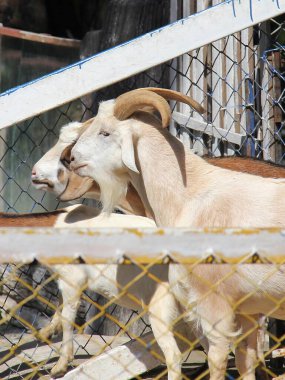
(130, 58)
(208, 128)
(19, 245)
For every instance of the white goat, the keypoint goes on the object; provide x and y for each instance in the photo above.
(108, 280)
(124, 146)
(50, 172)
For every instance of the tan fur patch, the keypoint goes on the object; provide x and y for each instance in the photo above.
(249, 165)
(42, 219)
(76, 188)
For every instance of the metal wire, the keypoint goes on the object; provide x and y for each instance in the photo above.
(240, 82)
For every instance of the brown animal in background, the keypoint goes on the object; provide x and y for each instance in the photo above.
(41, 219)
(248, 165)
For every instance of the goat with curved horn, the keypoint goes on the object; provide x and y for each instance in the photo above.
(177, 96)
(135, 100)
(132, 101)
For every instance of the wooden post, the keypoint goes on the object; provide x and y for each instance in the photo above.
(266, 82)
(277, 111)
(217, 88)
(245, 59)
(173, 66)
(199, 83)
(88, 47)
(121, 24)
(229, 89)
(2, 135)
(192, 82)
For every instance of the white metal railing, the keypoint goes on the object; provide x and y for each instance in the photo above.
(127, 59)
(113, 245)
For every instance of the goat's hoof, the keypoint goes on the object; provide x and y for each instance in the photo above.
(59, 370)
(261, 374)
(43, 334)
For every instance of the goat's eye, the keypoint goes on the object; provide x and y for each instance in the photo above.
(65, 162)
(105, 134)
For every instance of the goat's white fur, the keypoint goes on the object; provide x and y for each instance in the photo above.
(51, 168)
(107, 280)
(181, 189)
(48, 168)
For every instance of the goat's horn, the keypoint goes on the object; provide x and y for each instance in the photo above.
(175, 95)
(132, 101)
(86, 124)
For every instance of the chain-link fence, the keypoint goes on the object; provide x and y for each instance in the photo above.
(240, 82)
(33, 314)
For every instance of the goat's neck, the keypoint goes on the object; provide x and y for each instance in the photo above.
(165, 173)
(132, 204)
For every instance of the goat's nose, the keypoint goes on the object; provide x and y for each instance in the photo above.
(34, 173)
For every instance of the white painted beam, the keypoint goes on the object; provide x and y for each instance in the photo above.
(120, 363)
(208, 128)
(48, 245)
(133, 57)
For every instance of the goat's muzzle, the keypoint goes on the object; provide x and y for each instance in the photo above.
(45, 182)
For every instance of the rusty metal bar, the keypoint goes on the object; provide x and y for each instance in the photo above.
(37, 37)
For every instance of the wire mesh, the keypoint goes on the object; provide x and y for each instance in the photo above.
(240, 82)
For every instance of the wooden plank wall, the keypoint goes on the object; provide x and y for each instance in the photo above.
(2, 137)
(217, 114)
(199, 79)
(231, 69)
(226, 89)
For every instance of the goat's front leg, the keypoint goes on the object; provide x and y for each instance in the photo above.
(162, 314)
(54, 326)
(71, 298)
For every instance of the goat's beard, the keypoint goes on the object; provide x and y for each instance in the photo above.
(112, 191)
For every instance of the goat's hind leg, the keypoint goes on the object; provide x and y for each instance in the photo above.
(246, 349)
(71, 298)
(162, 314)
(248, 358)
(218, 326)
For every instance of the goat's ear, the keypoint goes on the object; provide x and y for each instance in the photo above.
(128, 153)
(66, 154)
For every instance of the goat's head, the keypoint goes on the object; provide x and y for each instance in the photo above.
(52, 173)
(106, 150)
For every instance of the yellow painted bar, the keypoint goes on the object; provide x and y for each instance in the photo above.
(144, 246)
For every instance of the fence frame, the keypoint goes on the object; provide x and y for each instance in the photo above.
(148, 246)
(145, 246)
(108, 67)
